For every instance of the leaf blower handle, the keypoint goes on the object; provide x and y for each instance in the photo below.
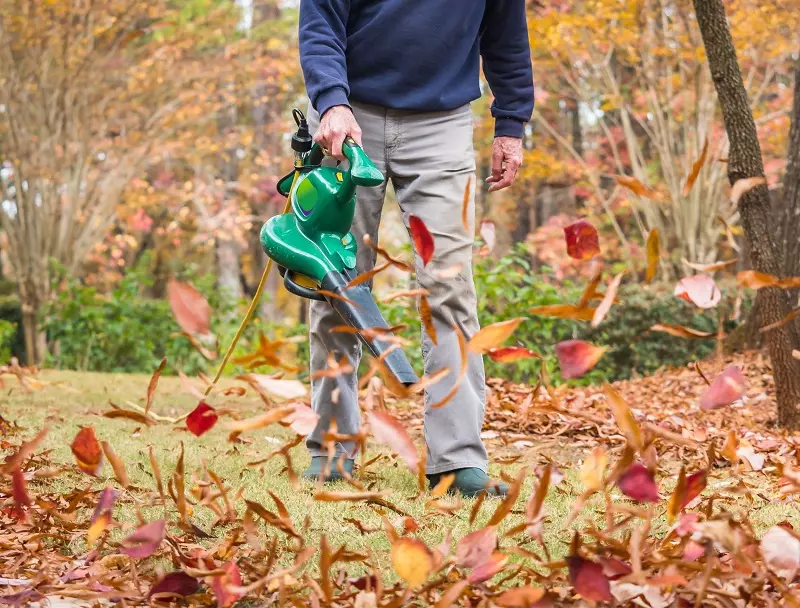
(363, 171)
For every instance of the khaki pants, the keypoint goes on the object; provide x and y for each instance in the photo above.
(429, 158)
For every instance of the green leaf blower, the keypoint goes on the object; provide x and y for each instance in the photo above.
(314, 248)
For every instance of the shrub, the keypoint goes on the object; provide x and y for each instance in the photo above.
(8, 334)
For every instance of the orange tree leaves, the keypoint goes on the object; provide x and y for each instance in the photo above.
(87, 450)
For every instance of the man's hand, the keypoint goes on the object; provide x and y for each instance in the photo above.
(506, 159)
(335, 126)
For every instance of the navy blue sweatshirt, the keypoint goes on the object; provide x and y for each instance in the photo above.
(419, 55)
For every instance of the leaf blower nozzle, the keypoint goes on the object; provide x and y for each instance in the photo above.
(313, 246)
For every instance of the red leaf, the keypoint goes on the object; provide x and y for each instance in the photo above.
(387, 430)
(20, 492)
(190, 308)
(105, 504)
(175, 583)
(87, 451)
(509, 354)
(700, 290)
(577, 357)
(145, 540)
(221, 585)
(695, 483)
(476, 547)
(423, 241)
(725, 389)
(637, 482)
(303, 420)
(583, 242)
(202, 419)
(483, 572)
(588, 579)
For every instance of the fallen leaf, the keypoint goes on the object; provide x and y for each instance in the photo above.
(493, 565)
(680, 331)
(577, 357)
(387, 430)
(608, 300)
(151, 387)
(87, 451)
(781, 551)
(202, 419)
(588, 579)
(412, 560)
(509, 354)
(700, 290)
(190, 308)
(224, 585)
(564, 311)
(426, 314)
(696, 167)
(423, 240)
(145, 540)
(726, 388)
(638, 483)
(653, 254)
(743, 186)
(637, 187)
(519, 597)
(594, 466)
(476, 547)
(174, 584)
(493, 335)
(583, 242)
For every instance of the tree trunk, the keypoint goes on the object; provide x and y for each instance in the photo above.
(744, 161)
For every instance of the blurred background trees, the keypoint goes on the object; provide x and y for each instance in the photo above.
(142, 141)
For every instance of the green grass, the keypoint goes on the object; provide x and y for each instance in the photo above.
(70, 400)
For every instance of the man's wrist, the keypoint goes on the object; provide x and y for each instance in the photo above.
(509, 127)
(336, 96)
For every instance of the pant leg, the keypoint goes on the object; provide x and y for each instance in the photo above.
(430, 158)
(322, 317)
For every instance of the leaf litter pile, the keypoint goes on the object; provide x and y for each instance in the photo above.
(659, 473)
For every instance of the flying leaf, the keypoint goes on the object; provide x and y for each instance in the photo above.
(519, 597)
(726, 388)
(608, 300)
(564, 311)
(743, 186)
(590, 291)
(277, 387)
(637, 187)
(653, 253)
(87, 451)
(101, 517)
(509, 354)
(348, 496)
(493, 335)
(145, 540)
(174, 584)
(441, 488)
(583, 242)
(577, 357)
(130, 415)
(19, 492)
(412, 560)
(588, 579)
(405, 293)
(452, 594)
(151, 387)
(387, 430)
(465, 205)
(781, 551)
(638, 483)
(785, 321)
(427, 318)
(116, 464)
(709, 267)
(594, 466)
(493, 565)
(624, 418)
(680, 331)
(700, 290)
(462, 372)
(303, 420)
(675, 505)
(488, 234)
(698, 164)
(423, 240)
(225, 585)
(476, 547)
(202, 419)
(509, 500)
(796, 354)
(364, 277)
(695, 484)
(190, 308)
(257, 422)
(758, 280)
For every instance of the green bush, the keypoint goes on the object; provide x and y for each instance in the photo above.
(8, 334)
(11, 312)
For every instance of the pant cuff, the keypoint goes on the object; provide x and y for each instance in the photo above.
(452, 466)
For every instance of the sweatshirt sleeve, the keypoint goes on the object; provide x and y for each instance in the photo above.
(323, 39)
(507, 64)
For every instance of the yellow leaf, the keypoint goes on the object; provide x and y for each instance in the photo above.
(593, 468)
(412, 560)
(625, 419)
(493, 335)
(698, 164)
(653, 251)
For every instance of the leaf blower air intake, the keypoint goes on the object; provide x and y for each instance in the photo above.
(314, 248)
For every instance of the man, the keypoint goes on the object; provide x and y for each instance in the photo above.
(398, 76)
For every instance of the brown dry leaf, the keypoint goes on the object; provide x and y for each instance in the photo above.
(87, 451)
(151, 388)
(118, 412)
(367, 276)
(116, 464)
(676, 501)
(608, 300)
(564, 311)
(510, 499)
(406, 293)
(680, 331)
(349, 496)
(594, 466)
(730, 447)
(476, 547)
(444, 484)
(637, 187)
(709, 267)
(743, 186)
(465, 205)
(412, 560)
(462, 373)
(400, 264)
(589, 292)
(698, 164)
(156, 473)
(758, 280)
(625, 419)
(534, 507)
(427, 318)
(653, 254)
(493, 335)
(520, 597)
(257, 422)
(785, 321)
(509, 354)
(452, 594)
(190, 308)
(387, 430)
